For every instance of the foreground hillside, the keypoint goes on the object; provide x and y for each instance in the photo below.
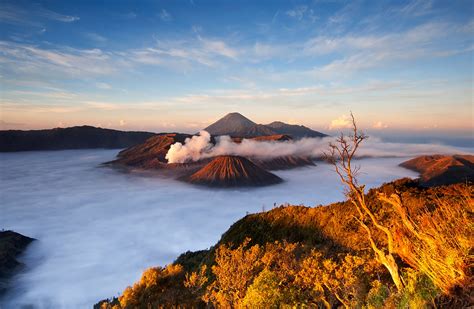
(69, 138)
(321, 257)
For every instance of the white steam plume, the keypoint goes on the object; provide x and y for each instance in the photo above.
(192, 150)
(200, 147)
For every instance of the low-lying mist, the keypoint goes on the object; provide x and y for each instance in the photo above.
(98, 228)
(200, 147)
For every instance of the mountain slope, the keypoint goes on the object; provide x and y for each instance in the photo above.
(232, 171)
(290, 243)
(69, 138)
(231, 124)
(296, 131)
(442, 169)
(236, 125)
(12, 245)
(151, 153)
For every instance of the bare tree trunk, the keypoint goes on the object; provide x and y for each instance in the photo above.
(341, 154)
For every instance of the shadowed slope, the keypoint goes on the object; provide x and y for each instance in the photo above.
(150, 154)
(442, 169)
(232, 171)
(12, 244)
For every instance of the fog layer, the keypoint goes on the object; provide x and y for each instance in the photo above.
(200, 147)
(99, 228)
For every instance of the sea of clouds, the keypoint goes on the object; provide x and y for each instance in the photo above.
(98, 228)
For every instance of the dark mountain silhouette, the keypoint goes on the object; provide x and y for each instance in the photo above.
(438, 170)
(69, 138)
(236, 125)
(232, 171)
(297, 131)
(11, 245)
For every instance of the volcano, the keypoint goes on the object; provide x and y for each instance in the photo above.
(237, 125)
(232, 171)
(151, 153)
(438, 170)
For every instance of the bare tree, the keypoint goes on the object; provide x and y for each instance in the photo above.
(340, 155)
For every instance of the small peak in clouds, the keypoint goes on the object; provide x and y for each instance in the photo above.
(342, 122)
(165, 15)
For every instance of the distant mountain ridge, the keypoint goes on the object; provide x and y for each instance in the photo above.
(237, 125)
(79, 137)
(294, 130)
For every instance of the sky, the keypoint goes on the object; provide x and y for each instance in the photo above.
(402, 67)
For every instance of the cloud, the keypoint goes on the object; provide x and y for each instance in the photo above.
(165, 15)
(301, 12)
(33, 16)
(56, 16)
(416, 8)
(183, 54)
(95, 37)
(297, 12)
(218, 47)
(59, 62)
(103, 86)
(362, 52)
(342, 122)
(122, 122)
(379, 125)
(200, 147)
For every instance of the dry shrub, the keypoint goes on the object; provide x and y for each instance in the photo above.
(437, 242)
(234, 271)
(157, 288)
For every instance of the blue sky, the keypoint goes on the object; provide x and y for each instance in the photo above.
(403, 66)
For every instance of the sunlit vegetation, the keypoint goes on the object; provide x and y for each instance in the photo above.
(321, 257)
(397, 246)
